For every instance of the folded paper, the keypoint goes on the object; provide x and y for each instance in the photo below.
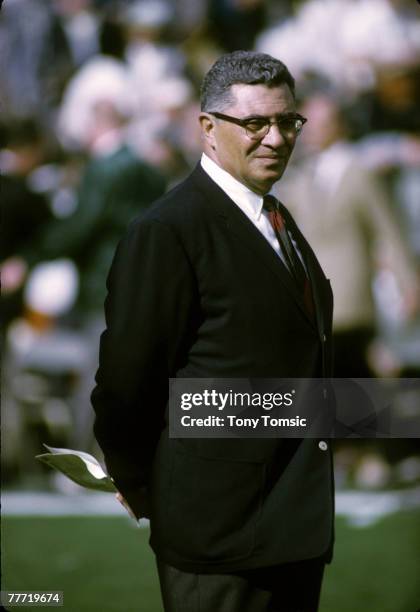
(79, 466)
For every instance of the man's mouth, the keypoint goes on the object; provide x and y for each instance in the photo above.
(277, 158)
(273, 158)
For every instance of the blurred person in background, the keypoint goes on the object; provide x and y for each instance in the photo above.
(345, 212)
(36, 61)
(390, 146)
(136, 71)
(115, 186)
(25, 212)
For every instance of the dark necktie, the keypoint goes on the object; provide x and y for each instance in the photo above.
(296, 268)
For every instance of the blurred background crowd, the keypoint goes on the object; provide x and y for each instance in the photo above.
(99, 117)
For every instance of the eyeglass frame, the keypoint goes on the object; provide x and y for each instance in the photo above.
(244, 121)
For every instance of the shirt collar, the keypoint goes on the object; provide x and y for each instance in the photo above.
(247, 200)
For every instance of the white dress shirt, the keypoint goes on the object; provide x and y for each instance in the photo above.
(249, 202)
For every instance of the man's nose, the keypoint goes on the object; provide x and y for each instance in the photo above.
(274, 136)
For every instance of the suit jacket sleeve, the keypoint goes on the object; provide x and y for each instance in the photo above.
(149, 322)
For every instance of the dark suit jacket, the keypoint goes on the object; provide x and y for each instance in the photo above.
(196, 291)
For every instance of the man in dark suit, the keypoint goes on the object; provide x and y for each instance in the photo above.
(207, 285)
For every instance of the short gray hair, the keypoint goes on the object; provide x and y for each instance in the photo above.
(241, 67)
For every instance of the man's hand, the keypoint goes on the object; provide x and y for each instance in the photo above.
(142, 501)
(126, 506)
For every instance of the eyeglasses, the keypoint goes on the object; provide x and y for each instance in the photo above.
(258, 127)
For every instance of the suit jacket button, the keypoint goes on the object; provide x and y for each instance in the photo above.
(323, 445)
(324, 338)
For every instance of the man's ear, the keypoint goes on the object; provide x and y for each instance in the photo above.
(207, 129)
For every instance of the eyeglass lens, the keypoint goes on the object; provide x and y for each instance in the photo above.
(258, 128)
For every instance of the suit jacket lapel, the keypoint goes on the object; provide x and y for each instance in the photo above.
(239, 225)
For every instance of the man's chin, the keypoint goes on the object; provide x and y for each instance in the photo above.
(272, 169)
(271, 177)
(263, 185)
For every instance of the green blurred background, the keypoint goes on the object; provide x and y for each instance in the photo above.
(104, 564)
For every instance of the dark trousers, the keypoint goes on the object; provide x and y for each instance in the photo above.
(290, 587)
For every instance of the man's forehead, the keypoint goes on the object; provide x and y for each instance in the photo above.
(256, 98)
